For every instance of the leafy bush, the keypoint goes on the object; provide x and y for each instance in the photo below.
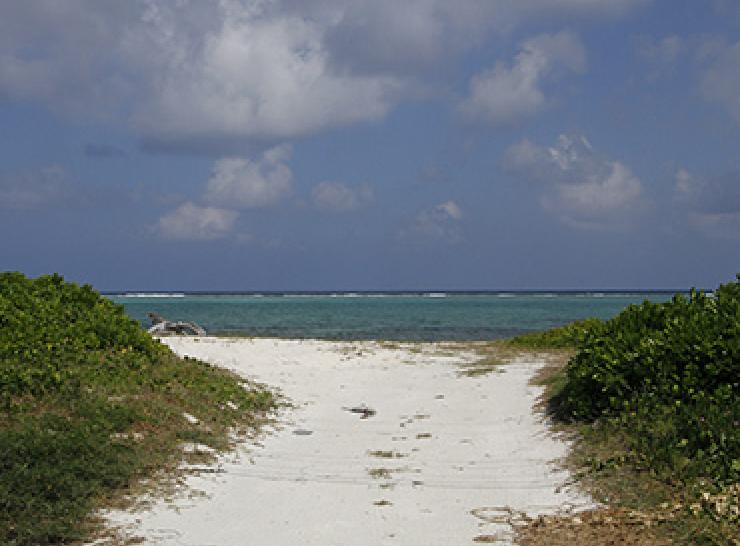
(48, 328)
(565, 337)
(89, 402)
(670, 374)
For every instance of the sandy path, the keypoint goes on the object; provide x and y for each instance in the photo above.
(462, 449)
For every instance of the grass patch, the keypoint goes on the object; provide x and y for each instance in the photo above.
(91, 407)
(491, 356)
(495, 354)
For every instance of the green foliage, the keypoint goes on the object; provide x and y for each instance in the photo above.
(49, 329)
(668, 373)
(566, 337)
(89, 402)
(52, 470)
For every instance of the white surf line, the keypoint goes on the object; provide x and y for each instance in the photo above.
(445, 458)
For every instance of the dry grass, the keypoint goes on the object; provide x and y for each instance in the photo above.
(386, 454)
(607, 527)
(380, 473)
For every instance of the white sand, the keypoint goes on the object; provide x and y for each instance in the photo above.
(471, 448)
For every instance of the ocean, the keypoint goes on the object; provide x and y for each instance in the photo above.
(426, 316)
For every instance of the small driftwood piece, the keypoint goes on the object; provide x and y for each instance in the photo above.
(362, 410)
(163, 327)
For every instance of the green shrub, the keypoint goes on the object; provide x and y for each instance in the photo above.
(565, 337)
(670, 374)
(89, 402)
(50, 328)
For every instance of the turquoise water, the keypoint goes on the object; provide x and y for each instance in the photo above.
(410, 317)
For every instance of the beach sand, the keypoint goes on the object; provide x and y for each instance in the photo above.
(444, 460)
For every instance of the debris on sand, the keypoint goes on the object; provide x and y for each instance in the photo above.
(163, 327)
(362, 409)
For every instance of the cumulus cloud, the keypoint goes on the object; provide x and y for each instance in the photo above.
(580, 186)
(437, 224)
(244, 183)
(236, 183)
(337, 197)
(711, 205)
(199, 76)
(256, 76)
(33, 189)
(721, 81)
(508, 93)
(191, 222)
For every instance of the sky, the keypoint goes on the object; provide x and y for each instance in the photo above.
(371, 144)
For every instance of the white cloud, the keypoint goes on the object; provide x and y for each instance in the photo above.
(592, 202)
(335, 196)
(506, 94)
(448, 210)
(437, 224)
(33, 189)
(243, 183)
(256, 76)
(190, 222)
(203, 75)
(235, 183)
(721, 81)
(581, 187)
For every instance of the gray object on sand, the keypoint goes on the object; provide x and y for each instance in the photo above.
(163, 327)
(362, 409)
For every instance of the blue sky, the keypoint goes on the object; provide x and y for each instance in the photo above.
(327, 144)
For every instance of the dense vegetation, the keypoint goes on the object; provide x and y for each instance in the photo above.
(90, 403)
(655, 391)
(671, 373)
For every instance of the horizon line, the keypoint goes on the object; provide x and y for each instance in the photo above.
(411, 291)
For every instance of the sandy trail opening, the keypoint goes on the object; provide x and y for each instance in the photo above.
(444, 460)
